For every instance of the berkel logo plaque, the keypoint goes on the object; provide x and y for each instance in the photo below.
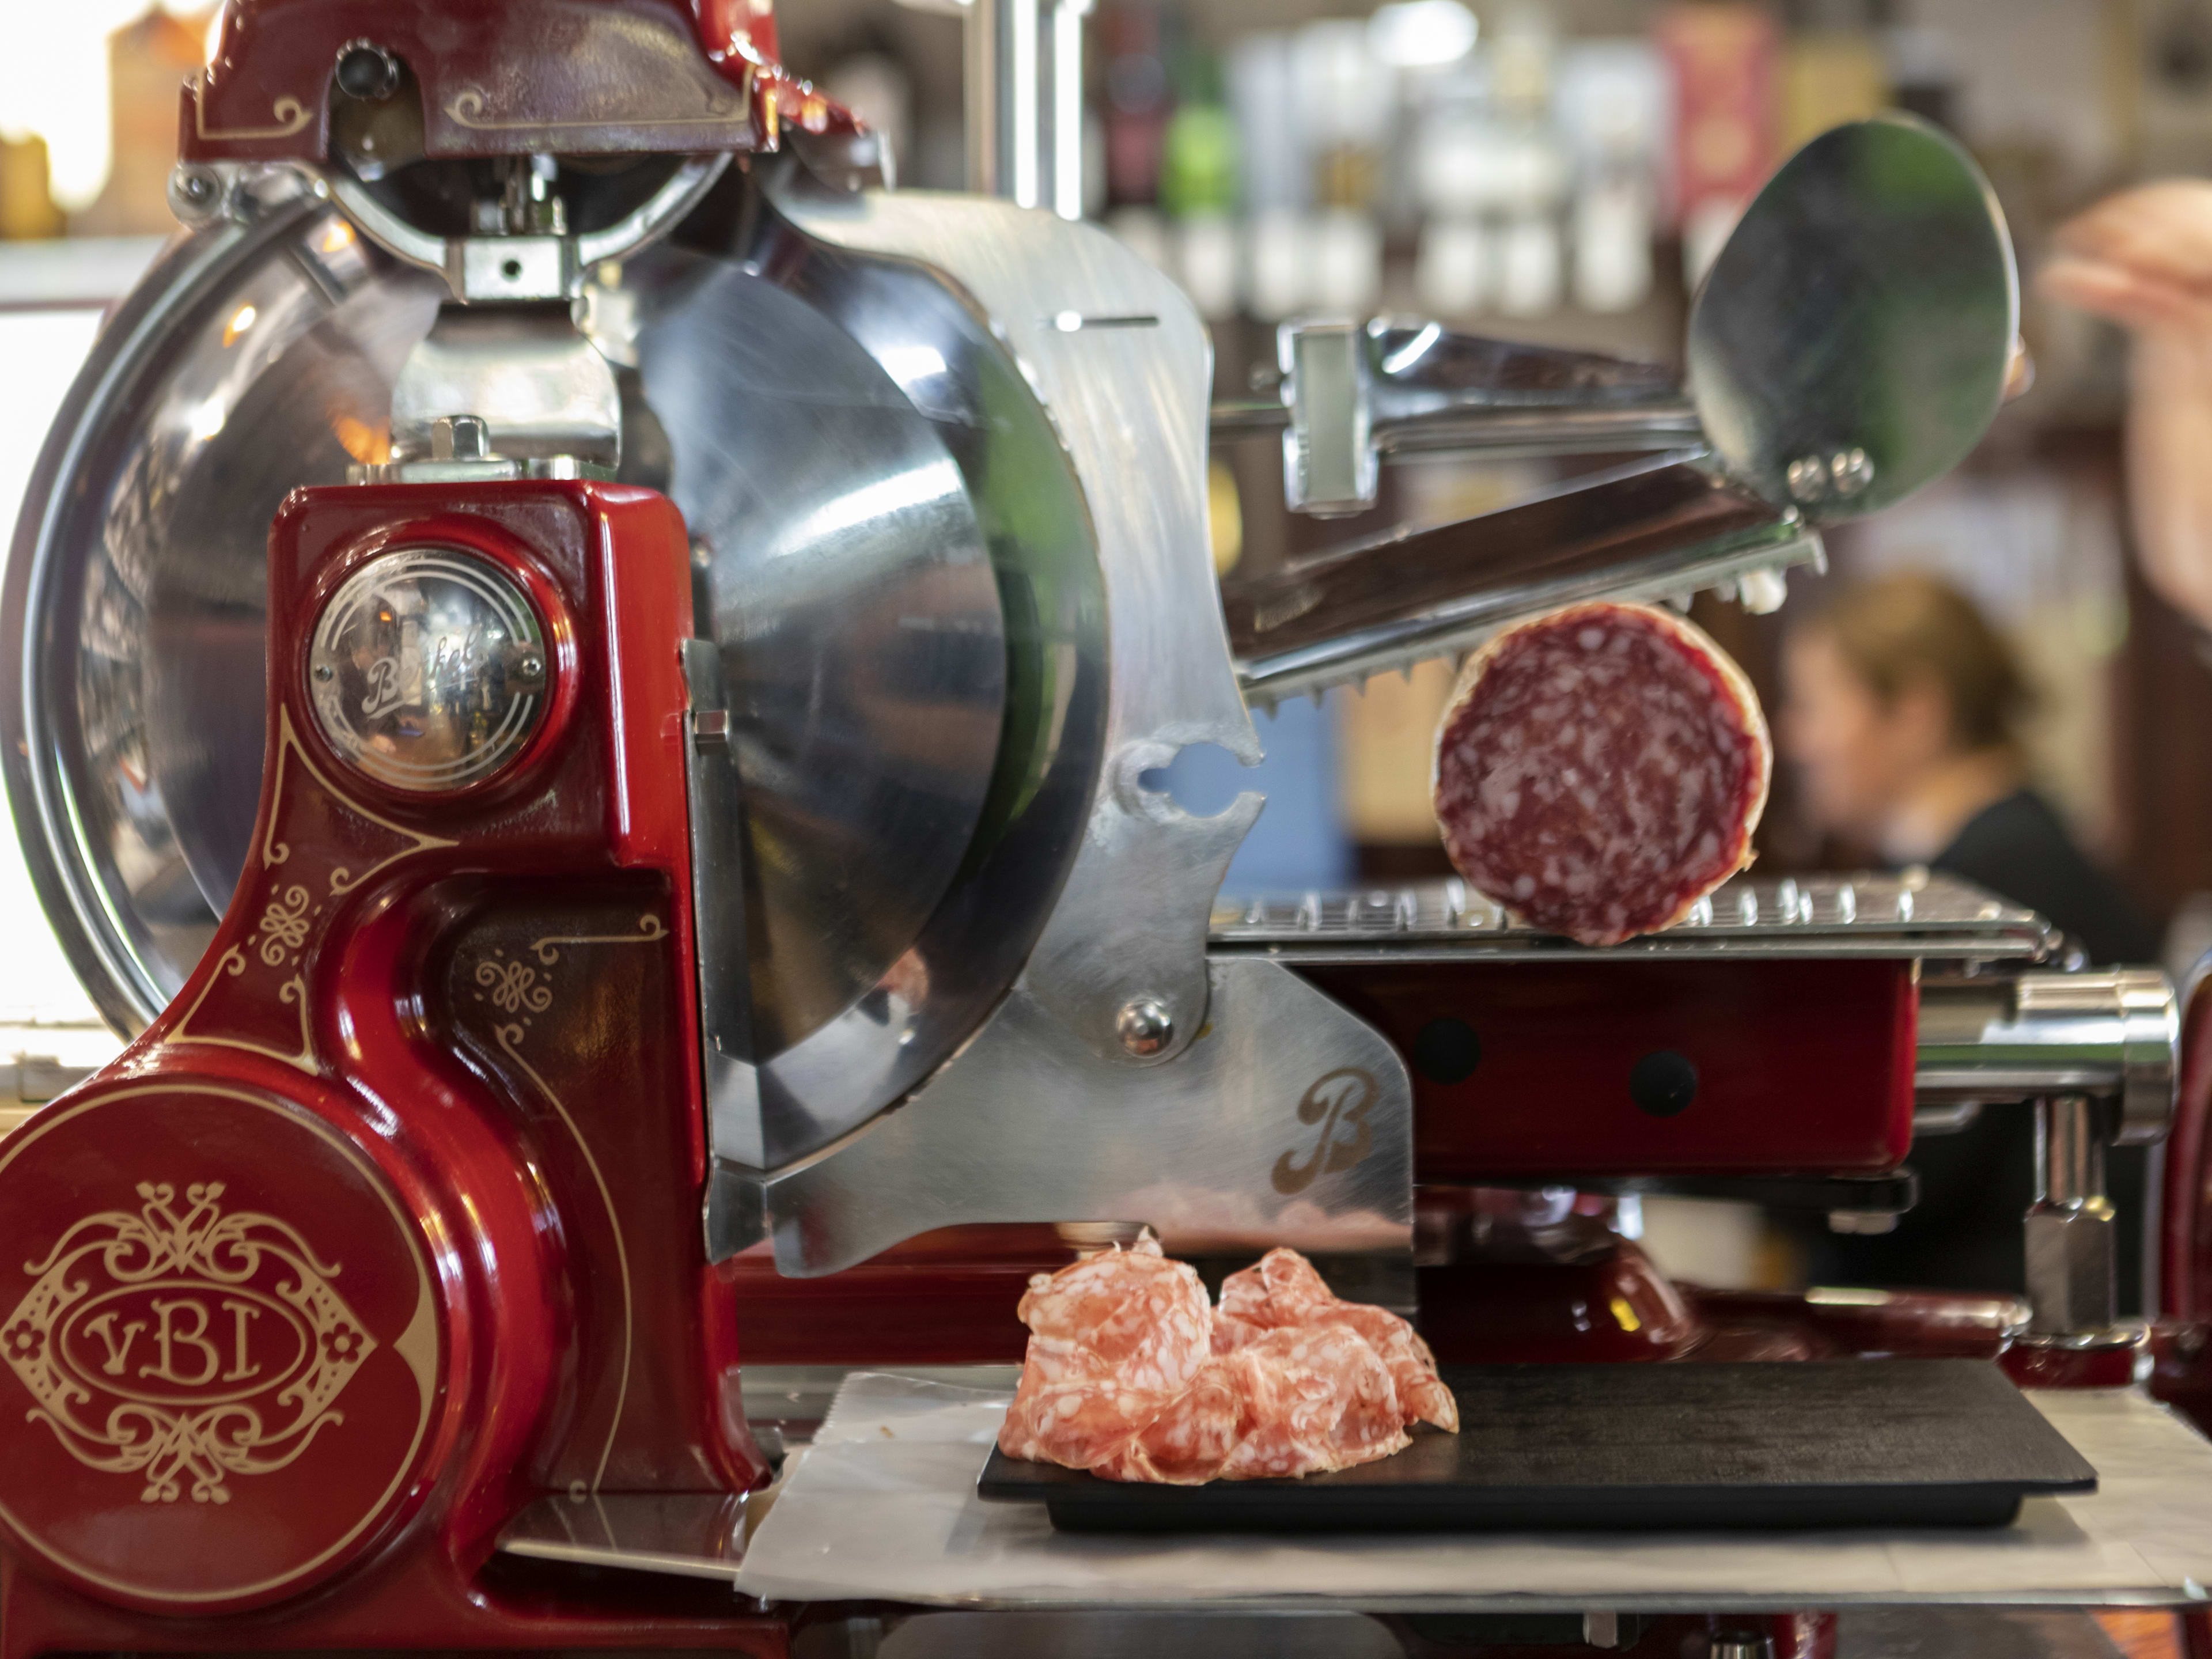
(184, 1345)
(221, 1343)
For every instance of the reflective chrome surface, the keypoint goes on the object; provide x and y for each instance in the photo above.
(1128, 404)
(1930, 917)
(845, 581)
(2112, 1033)
(428, 670)
(1657, 529)
(535, 382)
(255, 358)
(1354, 392)
(689, 1534)
(920, 649)
(1290, 1122)
(1852, 340)
(1231, 1061)
(2072, 1229)
(832, 517)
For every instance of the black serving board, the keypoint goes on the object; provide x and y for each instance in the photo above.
(1855, 1443)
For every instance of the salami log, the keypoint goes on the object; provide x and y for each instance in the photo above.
(1600, 769)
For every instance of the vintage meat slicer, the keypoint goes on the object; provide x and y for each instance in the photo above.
(700, 627)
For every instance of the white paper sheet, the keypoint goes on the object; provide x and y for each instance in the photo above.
(884, 1505)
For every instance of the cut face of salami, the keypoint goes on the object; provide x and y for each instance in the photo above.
(1601, 769)
(1131, 1374)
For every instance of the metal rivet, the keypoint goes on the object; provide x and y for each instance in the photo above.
(1808, 479)
(531, 666)
(325, 672)
(1145, 1026)
(1852, 470)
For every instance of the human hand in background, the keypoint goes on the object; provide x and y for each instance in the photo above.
(2143, 258)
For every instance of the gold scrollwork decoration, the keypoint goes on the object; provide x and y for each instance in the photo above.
(249, 1343)
(466, 108)
(649, 928)
(513, 987)
(509, 1037)
(342, 880)
(283, 926)
(293, 993)
(290, 113)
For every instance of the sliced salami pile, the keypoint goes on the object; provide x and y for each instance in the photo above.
(1132, 1375)
(1601, 769)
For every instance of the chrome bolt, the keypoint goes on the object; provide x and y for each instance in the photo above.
(325, 672)
(530, 666)
(196, 194)
(1145, 1026)
(1850, 471)
(1808, 479)
(459, 438)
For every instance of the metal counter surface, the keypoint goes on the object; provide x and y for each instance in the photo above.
(883, 1506)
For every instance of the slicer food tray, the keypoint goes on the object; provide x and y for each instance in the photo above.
(1919, 1443)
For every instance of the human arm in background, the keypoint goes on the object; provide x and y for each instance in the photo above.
(2143, 258)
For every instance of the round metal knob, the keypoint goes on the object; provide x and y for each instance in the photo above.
(428, 670)
(1145, 1026)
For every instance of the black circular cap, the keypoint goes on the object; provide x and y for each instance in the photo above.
(1447, 1050)
(367, 72)
(1662, 1083)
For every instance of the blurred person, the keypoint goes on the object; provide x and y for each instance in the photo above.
(1900, 709)
(1900, 702)
(2143, 258)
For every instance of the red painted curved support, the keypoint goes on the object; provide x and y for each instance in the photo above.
(2186, 1238)
(389, 1225)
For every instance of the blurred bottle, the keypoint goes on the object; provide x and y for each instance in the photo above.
(1197, 185)
(27, 202)
(1612, 103)
(1923, 74)
(1278, 258)
(1276, 186)
(1452, 266)
(1133, 57)
(1832, 70)
(1458, 163)
(1347, 120)
(1723, 59)
(147, 59)
(1536, 171)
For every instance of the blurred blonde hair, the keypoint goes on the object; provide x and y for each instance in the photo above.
(1907, 628)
